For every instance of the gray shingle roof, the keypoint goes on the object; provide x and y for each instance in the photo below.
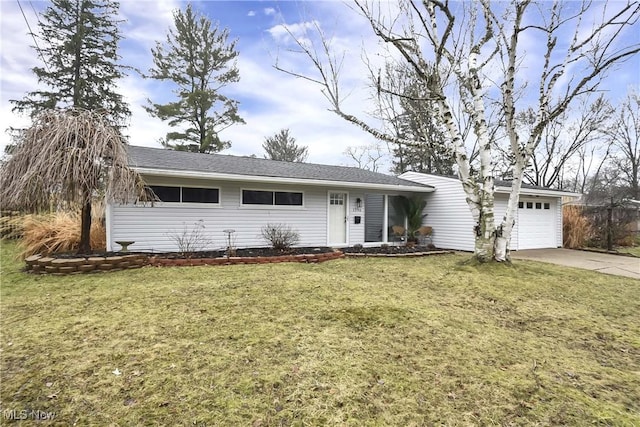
(156, 158)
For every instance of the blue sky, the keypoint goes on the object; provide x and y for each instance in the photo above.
(269, 100)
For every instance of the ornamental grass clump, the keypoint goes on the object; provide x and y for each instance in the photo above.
(56, 232)
(576, 227)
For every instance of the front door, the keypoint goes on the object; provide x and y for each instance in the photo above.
(337, 218)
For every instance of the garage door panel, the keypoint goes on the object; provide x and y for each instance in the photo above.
(536, 223)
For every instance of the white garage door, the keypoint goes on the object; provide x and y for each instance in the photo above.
(536, 223)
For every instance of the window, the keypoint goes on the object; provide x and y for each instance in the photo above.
(546, 206)
(271, 198)
(284, 198)
(166, 194)
(186, 194)
(520, 205)
(538, 205)
(200, 195)
(252, 197)
(529, 205)
(336, 199)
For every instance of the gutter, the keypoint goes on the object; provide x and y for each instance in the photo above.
(280, 180)
(537, 192)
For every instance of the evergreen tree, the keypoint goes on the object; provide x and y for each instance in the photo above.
(200, 61)
(79, 45)
(282, 146)
(418, 123)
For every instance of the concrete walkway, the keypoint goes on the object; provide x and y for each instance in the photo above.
(618, 265)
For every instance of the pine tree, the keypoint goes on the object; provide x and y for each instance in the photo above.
(200, 61)
(417, 122)
(282, 146)
(79, 45)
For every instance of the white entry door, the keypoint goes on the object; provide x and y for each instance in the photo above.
(337, 218)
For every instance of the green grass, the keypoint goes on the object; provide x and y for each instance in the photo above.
(353, 342)
(633, 250)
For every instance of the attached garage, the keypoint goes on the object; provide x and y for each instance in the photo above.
(537, 223)
(538, 220)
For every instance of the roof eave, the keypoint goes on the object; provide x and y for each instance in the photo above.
(538, 192)
(280, 180)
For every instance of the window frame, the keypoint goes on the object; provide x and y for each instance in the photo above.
(273, 199)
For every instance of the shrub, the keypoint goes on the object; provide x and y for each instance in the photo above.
(576, 227)
(55, 232)
(280, 236)
(191, 239)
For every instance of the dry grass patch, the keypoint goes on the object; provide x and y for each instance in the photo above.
(351, 342)
(53, 232)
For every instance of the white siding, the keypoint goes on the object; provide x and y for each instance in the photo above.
(559, 225)
(447, 212)
(151, 226)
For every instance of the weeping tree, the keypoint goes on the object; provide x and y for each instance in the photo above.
(474, 54)
(70, 155)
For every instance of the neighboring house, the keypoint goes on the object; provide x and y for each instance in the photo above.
(538, 219)
(326, 205)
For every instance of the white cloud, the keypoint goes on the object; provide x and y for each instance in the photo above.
(251, 13)
(17, 59)
(286, 33)
(269, 11)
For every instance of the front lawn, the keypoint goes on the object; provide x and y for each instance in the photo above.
(377, 341)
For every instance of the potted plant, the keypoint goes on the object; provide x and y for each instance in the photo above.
(411, 208)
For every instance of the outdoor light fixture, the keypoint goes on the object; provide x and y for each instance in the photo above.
(359, 203)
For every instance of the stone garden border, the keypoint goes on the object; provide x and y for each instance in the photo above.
(84, 264)
(39, 264)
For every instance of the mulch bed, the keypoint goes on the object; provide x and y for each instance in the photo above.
(389, 250)
(265, 252)
(247, 252)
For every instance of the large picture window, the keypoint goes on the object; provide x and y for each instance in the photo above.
(271, 198)
(186, 194)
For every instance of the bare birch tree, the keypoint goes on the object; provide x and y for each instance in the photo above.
(472, 53)
(69, 154)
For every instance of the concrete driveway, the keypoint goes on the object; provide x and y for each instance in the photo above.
(618, 265)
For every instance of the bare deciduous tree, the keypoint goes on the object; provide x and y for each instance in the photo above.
(624, 134)
(368, 156)
(471, 53)
(69, 154)
(562, 140)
